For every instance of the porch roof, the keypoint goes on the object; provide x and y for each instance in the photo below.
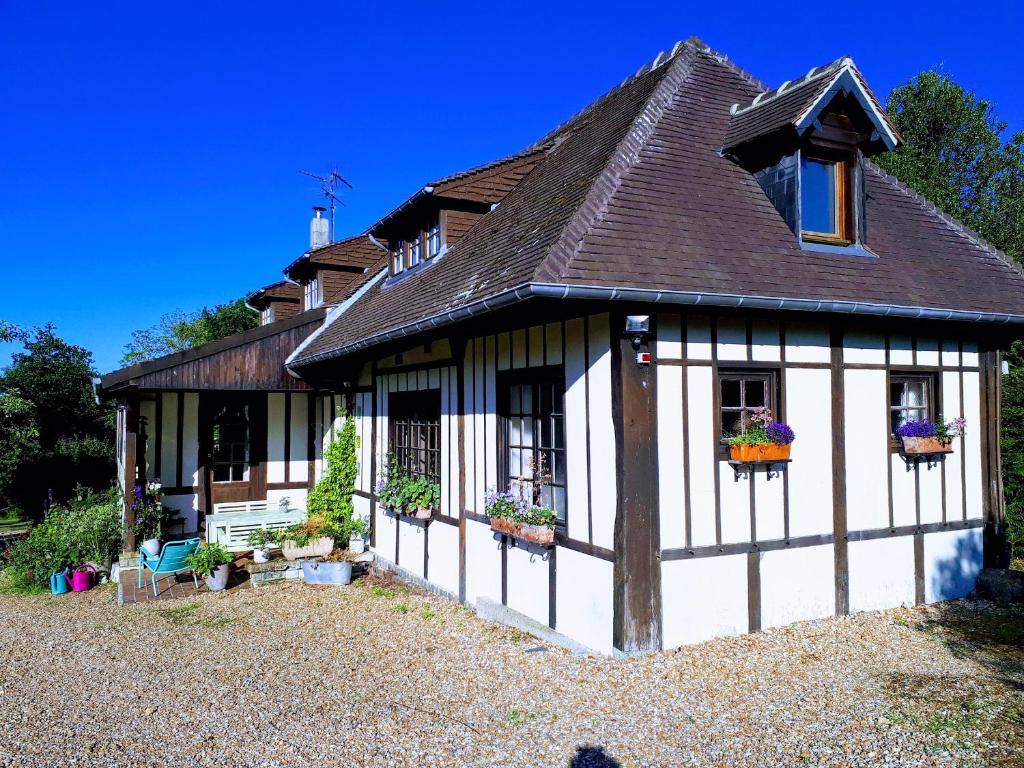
(252, 360)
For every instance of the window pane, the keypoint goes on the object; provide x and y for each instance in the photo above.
(896, 393)
(528, 431)
(732, 423)
(730, 393)
(755, 394)
(515, 436)
(915, 393)
(559, 441)
(513, 401)
(515, 468)
(818, 196)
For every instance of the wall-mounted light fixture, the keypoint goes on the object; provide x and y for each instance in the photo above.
(638, 328)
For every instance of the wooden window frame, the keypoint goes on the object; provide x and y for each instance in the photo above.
(415, 416)
(844, 198)
(246, 463)
(772, 378)
(553, 376)
(433, 236)
(931, 392)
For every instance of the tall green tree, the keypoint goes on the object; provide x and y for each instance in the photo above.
(181, 330)
(957, 154)
(48, 392)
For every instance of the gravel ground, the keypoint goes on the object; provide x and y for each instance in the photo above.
(379, 674)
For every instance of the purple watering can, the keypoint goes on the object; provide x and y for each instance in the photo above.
(82, 578)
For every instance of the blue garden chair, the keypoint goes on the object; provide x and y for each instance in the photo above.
(172, 559)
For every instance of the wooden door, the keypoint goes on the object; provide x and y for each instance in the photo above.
(233, 438)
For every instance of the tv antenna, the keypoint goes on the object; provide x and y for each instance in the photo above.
(329, 185)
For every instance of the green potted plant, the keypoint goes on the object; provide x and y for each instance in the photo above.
(764, 440)
(503, 508)
(423, 497)
(538, 526)
(261, 540)
(356, 540)
(212, 562)
(308, 539)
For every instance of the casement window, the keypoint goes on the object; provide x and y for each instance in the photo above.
(231, 443)
(312, 296)
(414, 432)
(533, 435)
(398, 257)
(434, 241)
(740, 393)
(267, 315)
(414, 253)
(911, 398)
(825, 197)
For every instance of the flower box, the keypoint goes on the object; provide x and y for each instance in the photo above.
(504, 525)
(538, 534)
(763, 452)
(914, 446)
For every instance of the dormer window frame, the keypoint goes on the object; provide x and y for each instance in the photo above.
(267, 315)
(414, 252)
(845, 203)
(311, 293)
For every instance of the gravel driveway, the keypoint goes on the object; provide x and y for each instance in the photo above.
(378, 674)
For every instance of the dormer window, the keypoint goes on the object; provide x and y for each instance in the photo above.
(266, 316)
(825, 201)
(398, 257)
(312, 296)
(412, 251)
(434, 241)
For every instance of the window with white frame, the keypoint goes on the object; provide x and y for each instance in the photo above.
(434, 241)
(312, 296)
(414, 253)
(267, 315)
(398, 257)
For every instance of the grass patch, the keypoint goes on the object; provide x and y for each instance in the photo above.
(402, 608)
(382, 592)
(188, 615)
(9, 587)
(427, 613)
(11, 521)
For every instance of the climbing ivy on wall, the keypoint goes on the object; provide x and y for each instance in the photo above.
(331, 498)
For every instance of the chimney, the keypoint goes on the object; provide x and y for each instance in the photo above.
(318, 233)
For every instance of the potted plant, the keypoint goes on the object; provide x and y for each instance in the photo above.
(213, 563)
(924, 437)
(261, 540)
(503, 508)
(538, 526)
(765, 440)
(424, 497)
(356, 542)
(151, 516)
(394, 486)
(335, 568)
(308, 539)
(521, 514)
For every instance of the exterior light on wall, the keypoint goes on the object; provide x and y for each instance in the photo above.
(638, 327)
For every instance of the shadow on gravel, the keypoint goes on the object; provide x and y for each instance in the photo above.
(593, 757)
(978, 712)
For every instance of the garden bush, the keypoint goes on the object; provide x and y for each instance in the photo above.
(88, 529)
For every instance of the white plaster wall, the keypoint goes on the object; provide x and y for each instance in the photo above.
(734, 496)
(576, 431)
(187, 506)
(764, 341)
(553, 334)
(411, 547)
(583, 594)
(972, 444)
(952, 466)
(669, 345)
(807, 343)
(275, 437)
(147, 411)
(443, 556)
(864, 348)
(483, 563)
(385, 530)
(930, 492)
(671, 477)
(970, 357)
(732, 338)
(602, 433)
(528, 578)
(469, 432)
(904, 493)
(901, 350)
(190, 440)
(927, 351)
(769, 506)
(881, 573)
(361, 507)
(698, 337)
(797, 585)
(703, 598)
(867, 449)
(952, 560)
(700, 418)
(169, 439)
(809, 413)
(296, 497)
(298, 448)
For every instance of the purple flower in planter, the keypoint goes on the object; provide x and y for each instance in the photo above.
(916, 429)
(780, 433)
(138, 491)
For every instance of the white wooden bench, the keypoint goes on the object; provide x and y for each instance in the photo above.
(233, 521)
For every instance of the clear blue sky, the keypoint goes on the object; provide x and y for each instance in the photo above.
(150, 153)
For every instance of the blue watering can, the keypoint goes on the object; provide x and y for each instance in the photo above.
(60, 583)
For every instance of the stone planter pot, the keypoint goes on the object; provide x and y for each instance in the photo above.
(261, 555)
(317, 548)
(218, 580)
(152, 547)
(356, 545)
(538, 534)
(339, 574)
(769, 452)
(918, 445)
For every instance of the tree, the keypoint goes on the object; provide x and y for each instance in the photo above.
(957, 155)
(19, 436)
(181, 330)
(73, 434)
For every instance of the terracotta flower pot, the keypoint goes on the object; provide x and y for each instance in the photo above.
(504, 525)
(768, 452)
(914, 445)
(538, 534)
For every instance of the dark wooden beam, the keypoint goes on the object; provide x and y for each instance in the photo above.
(839, 524)
(637, 568)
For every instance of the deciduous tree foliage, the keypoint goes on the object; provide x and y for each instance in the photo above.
(180, 330)
(958, 156)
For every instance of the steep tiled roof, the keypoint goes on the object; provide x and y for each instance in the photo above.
(633, 193)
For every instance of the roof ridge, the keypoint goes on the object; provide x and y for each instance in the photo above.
(724, 60)
(815, 73)
(951, 221)
(619, 162)
(513, 156)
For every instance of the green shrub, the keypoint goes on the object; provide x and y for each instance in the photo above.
(87, 530)
(331, 498)
(207, 559)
